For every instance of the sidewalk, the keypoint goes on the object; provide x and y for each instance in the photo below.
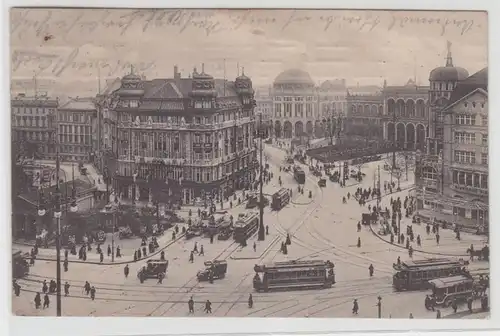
(448, 245)
(128, 247)
(477, 313)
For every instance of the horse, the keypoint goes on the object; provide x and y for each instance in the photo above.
(480, 254)
(474, 253)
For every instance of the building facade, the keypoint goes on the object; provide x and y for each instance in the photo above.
(443, 81)
(78, 129)
(332, 98)
(34, 125)
(406, 115)
(264, 107)
(365, 115)
(301, 107)
(184, 138)
(452, 186)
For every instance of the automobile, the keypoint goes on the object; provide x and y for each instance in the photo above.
(322, 182)
(153, 269)
(253, 201)
(218, 267)
(224, 234)
(193, 232)
(125, 232)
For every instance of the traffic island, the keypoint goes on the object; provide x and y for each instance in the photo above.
(264, 247)
(376, 234)
(116, 262)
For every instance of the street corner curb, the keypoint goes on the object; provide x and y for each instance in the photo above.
(119, 262)
(269, 246)
(415, 250)
(476, 311)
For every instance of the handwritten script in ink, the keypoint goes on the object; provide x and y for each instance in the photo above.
(56, 65)
(41, 22)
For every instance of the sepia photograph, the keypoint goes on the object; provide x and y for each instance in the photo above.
(249, 163)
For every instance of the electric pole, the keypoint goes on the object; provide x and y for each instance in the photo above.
(262, 233)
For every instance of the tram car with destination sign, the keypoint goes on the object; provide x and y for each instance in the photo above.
(299, 175)
(245, 226)
(294, 275)
(416, 274)
(280, 199)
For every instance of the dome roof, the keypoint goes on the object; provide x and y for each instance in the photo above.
(294, 76)
(132, 77)
(448, 73)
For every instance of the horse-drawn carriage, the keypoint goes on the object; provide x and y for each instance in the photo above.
(482, 254)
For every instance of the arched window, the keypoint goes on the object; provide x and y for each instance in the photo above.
(429, 173)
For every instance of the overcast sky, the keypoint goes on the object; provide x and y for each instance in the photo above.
(65, 47)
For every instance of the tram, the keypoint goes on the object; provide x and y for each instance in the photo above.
(280, 199)
(293, 275)
(20, 266)
(415, 274)
(245, 226)
(299, 175)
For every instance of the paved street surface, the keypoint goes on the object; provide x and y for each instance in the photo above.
(320, 228)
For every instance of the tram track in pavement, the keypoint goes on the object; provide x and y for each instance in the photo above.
(298, 223)
(160, 289)
(189, 286)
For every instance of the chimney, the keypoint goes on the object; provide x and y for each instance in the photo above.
(177, 75)
(343, 82)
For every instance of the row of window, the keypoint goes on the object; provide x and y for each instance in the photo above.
(470, 119)
(32, 110)
(75, 149)
(76, 117)
(25, 135)
(196, 174)
(198, 120)
(29, 121)
(75, 138)
(72, 129)
(468, 179)
(470, 138)
(470, 157)
(442, 86)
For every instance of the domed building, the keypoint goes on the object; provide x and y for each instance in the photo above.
(295, 104)
(443, 80)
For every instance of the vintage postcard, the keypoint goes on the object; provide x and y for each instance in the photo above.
(260, 163)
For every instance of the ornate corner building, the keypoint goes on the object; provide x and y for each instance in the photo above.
(451, 173)
(183, 137)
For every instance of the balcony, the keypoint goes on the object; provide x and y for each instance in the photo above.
(470, 190)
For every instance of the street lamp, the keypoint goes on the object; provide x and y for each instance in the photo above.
(261, 233)
(57, 216)
(379, 305)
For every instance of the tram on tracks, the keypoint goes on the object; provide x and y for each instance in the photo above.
(293, 275)
(299, 175)
(245, 226)
(415, 274)
(20, 267)
(280, 199)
